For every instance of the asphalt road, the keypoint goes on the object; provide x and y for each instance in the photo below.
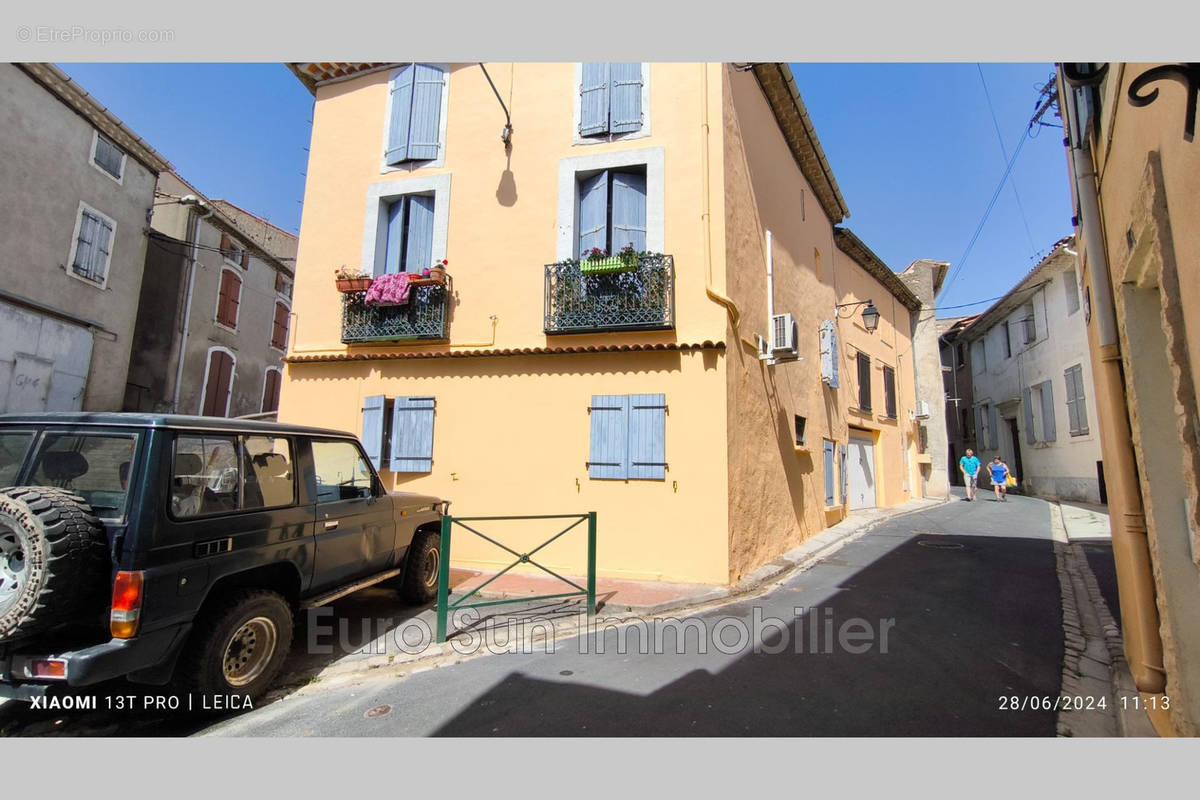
(959, 608)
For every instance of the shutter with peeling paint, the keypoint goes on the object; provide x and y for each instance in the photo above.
(419, 251)
(412, 434)
(647, 436)
(993, 428)
(628, 211)
(593, 213)
(608, 453)
(593, 100)
(829, 476)
(1027, 401)
(428, 86)
(372, 428)
(625, 97)
(398, 125)
(1049, 430)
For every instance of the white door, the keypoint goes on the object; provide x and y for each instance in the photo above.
(860, 468)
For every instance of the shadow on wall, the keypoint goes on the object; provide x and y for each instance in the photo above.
(946, 667)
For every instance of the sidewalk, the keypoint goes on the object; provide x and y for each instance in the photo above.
(655, 597)
(556, 619)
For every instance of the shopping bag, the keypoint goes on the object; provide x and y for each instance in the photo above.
(1011, 480)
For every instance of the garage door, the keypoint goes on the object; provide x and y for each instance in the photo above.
(44, 362)
(860, 466)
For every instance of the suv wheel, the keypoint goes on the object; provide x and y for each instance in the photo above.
(239, 647)
(421, 569)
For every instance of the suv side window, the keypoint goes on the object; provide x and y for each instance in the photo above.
(342, 472)
(270, 479)
(205, 477)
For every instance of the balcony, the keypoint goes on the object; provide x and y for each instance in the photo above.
(423, 317)
(642, 299)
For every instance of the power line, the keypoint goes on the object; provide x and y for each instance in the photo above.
(1004, 153)
(986, 212)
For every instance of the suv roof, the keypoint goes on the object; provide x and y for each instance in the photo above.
(180, 421)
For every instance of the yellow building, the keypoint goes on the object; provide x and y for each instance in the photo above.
(1135, 175)
(656, 390)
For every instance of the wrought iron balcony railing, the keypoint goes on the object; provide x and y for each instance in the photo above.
(423, 317)
(641, 299)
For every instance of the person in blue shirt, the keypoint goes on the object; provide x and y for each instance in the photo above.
(999, 472)
(969, 466)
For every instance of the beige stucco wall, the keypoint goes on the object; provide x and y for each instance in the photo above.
(776, 490)
(511, 433)
(1160, 329)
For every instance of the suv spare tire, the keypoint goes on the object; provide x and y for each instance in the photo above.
(54, 561)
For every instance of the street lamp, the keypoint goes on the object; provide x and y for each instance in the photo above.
(870, 314)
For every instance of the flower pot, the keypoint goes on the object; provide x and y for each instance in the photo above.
(605, 266)
(348, 285)
(438, 274)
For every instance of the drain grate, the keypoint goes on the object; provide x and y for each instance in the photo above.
(936, 545)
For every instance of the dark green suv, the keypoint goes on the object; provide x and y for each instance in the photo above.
(178, 549)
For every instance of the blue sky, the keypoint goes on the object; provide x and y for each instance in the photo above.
(913, 147)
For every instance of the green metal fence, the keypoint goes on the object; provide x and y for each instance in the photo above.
(445, 607)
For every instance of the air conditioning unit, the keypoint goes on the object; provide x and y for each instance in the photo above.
(784, 333)
(922, 411)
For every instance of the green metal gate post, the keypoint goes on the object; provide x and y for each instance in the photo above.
(591, 576)
(443, 578)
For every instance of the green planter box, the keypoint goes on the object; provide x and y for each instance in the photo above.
(606, 266)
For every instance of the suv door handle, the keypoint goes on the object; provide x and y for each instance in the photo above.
(331, 525)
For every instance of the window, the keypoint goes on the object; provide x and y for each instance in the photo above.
(95, 467)
(1076, 402)
(91, 249)
(279, 328)
(409, 246)
(611, 99)
(1071, 290)
(830, 477)
(612, 211)
(1039, 413)
(13, 447)
(213, 474)
(228, 298)
(234, 252)
(628, 437)
(341, 472)
(406, 225)
(638, 204)
(107, 156)
(397, 433)
(283, 285)
(864, 382)
(962, 353)
(801, 425)
(218, 383)
(889, 392)
(271, 382)
(415, 112)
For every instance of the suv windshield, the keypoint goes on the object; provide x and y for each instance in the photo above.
(94, 466)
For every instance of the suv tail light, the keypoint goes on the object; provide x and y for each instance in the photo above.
(126, 605)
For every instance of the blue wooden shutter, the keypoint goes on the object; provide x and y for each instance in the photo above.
(978, 437)
(426, 113)
(593, 100)
(845, 477)
(1049, 429)
(1080, 399)
(372, 428)
(395, 237)
(829, 476)
(100, 252)
(1027, 401)
(420, 233)
(398, 125)
(826, 340)
(83, 250)
(412, 434)
(625, 97)
(608, 454)
(593, 213)
(648, 436)
(993, 428)
(628, 211)
(1072, 408)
